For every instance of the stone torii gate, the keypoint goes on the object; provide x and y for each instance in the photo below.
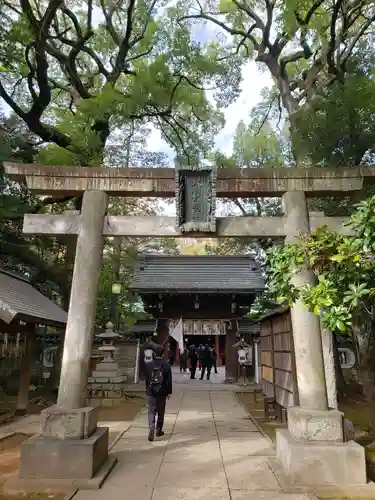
(312, 450)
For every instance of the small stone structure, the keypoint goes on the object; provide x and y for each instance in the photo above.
(106, 385)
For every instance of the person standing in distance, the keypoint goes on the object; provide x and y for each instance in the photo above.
(158, 389)
(193, 356)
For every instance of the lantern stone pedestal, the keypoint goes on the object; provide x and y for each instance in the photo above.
(106, 385)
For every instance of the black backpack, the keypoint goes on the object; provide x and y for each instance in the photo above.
(157, 381)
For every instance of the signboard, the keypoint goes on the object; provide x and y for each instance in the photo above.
(196, 199)
(200, 327)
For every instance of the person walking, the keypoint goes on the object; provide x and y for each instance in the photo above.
(200, 356)
(214, 358)
(158, 390)
(170, 355)
(183, 360)
(207, 362)
(193, 356)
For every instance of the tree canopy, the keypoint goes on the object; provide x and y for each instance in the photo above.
(76, 71)
(306, 46)
(86, 83)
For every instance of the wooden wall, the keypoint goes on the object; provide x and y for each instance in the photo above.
(277, 359)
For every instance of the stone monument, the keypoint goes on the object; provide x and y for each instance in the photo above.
(106, 385)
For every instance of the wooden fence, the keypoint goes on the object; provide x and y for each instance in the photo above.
(277, 359)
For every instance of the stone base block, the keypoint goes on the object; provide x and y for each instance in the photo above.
(58, 422)
(107, 366)
(101, 393)
(314, 425)
(16, 485)
(111, 374)
(50, 458)
(20, 412)
(320, 463)
(321, 491)
(103, 401)
(107, 380)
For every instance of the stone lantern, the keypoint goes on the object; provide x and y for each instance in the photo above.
(106, 385)
(108, 348)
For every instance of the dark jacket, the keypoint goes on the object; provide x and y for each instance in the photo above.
(193, 355)
(201, 352)
(167, 372)
(207, 358)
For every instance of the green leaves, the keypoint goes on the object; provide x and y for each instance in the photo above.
(344, 268)
(102, 65)
(338, 129)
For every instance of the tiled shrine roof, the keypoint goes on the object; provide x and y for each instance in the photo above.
(200, 274)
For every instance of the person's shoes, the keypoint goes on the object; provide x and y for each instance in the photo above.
(201, 378)
(159, 434)
(151, 435)
(208, 378)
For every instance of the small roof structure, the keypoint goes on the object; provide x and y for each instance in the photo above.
(197, 274)
(20, 301)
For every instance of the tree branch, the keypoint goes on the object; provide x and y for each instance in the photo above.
(306, 20)
(305, 53)
(124, 45)
(238, 204)
(332, 45)
(251, 13)
(232, 31)
(109, 24)
(41, 100)
(349, 50)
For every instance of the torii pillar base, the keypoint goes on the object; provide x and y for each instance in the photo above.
(71, 452)
(312, 455)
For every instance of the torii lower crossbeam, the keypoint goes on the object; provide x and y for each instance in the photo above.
(159, 226)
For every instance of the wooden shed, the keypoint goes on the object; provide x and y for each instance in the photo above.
(277, 360)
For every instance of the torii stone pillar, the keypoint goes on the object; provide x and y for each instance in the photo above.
(306, 326)
(71, 448)
(312, 450)
(82, 306)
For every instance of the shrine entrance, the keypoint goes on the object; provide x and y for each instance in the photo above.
(209, 293)
(314, 430)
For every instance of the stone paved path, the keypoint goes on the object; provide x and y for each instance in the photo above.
(211, 451)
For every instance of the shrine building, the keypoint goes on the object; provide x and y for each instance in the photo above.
(210, 293)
